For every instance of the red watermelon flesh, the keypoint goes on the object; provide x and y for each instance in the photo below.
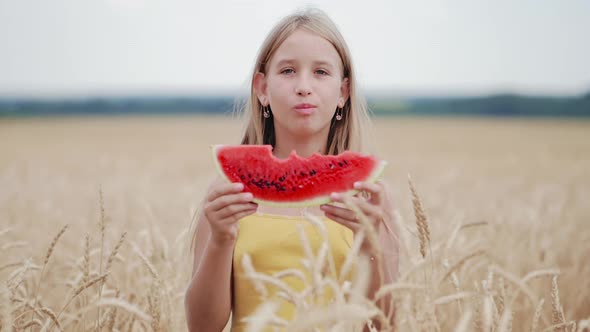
(294, 181)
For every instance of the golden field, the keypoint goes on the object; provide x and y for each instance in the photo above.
(507, 205)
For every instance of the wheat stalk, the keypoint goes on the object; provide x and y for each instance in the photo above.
(86, 261)
(421, 220)
(85, 270)
(18, 276)
(249, 269)
(453, 297)
(146, 262)
(501, 295)
(112, 317)
(154, 305)
(537, 316)
(102, 228)
(460, 263)
(80, 289)
(46, 260)
(34, 322)
(52, 247)
(487, 313)
(53, 316)
(264, 315)
(557, 317)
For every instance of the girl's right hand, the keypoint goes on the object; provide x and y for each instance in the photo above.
(226, 204)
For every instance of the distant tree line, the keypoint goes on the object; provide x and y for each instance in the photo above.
(495, 105)
(113, 106)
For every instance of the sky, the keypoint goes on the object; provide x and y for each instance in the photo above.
(118, 47)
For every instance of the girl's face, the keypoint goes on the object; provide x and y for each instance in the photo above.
(303, 85)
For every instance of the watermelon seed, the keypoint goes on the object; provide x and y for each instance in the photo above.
(282, 178)
(331, 166)
(312, 172)
(340, 164)
(302, 174)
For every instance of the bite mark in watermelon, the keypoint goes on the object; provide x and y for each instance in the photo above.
(295, 181)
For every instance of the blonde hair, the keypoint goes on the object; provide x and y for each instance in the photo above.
(350, 133)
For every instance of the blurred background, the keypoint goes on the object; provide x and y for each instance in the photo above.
(108, 109)
(412, 57)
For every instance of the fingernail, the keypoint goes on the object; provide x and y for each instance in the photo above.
(239, 186)
(357, 185)
(323, 207)
(248, 196)
(335, 195)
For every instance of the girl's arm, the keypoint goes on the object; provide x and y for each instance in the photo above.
(208, 297)
(390, 262)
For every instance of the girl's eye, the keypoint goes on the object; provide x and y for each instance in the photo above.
(290, 71)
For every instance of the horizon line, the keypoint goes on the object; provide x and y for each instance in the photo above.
(368, 92)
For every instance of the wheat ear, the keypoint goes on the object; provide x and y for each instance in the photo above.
(557, 317)
(46, 260)
(102, 227)
(421, 220)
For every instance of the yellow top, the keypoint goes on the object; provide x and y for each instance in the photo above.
(274, 244)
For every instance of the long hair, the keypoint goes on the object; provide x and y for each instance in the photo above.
(350, 133)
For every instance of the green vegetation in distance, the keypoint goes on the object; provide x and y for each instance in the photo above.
(493, 105)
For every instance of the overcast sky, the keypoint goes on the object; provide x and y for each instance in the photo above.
(96, 47)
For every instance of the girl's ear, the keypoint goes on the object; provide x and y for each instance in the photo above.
(259, 85)
(344, 92)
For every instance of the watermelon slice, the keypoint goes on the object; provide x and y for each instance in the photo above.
(295, 181)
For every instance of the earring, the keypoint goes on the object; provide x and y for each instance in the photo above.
(339, 114)
(266, 111)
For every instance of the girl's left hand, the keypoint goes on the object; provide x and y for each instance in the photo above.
(377, 208)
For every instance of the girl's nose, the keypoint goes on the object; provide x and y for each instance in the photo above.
(303, 88)
(303, 91)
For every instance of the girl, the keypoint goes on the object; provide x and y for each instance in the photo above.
(304, 98)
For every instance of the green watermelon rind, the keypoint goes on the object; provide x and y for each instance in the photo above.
(372, 178)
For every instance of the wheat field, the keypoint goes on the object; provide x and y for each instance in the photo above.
(95, 216)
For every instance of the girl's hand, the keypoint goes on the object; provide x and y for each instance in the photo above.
(377, 207)
(226, 204)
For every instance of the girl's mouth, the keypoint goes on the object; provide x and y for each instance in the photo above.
(305, 111)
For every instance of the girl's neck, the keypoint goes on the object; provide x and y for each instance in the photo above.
(304, 148)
